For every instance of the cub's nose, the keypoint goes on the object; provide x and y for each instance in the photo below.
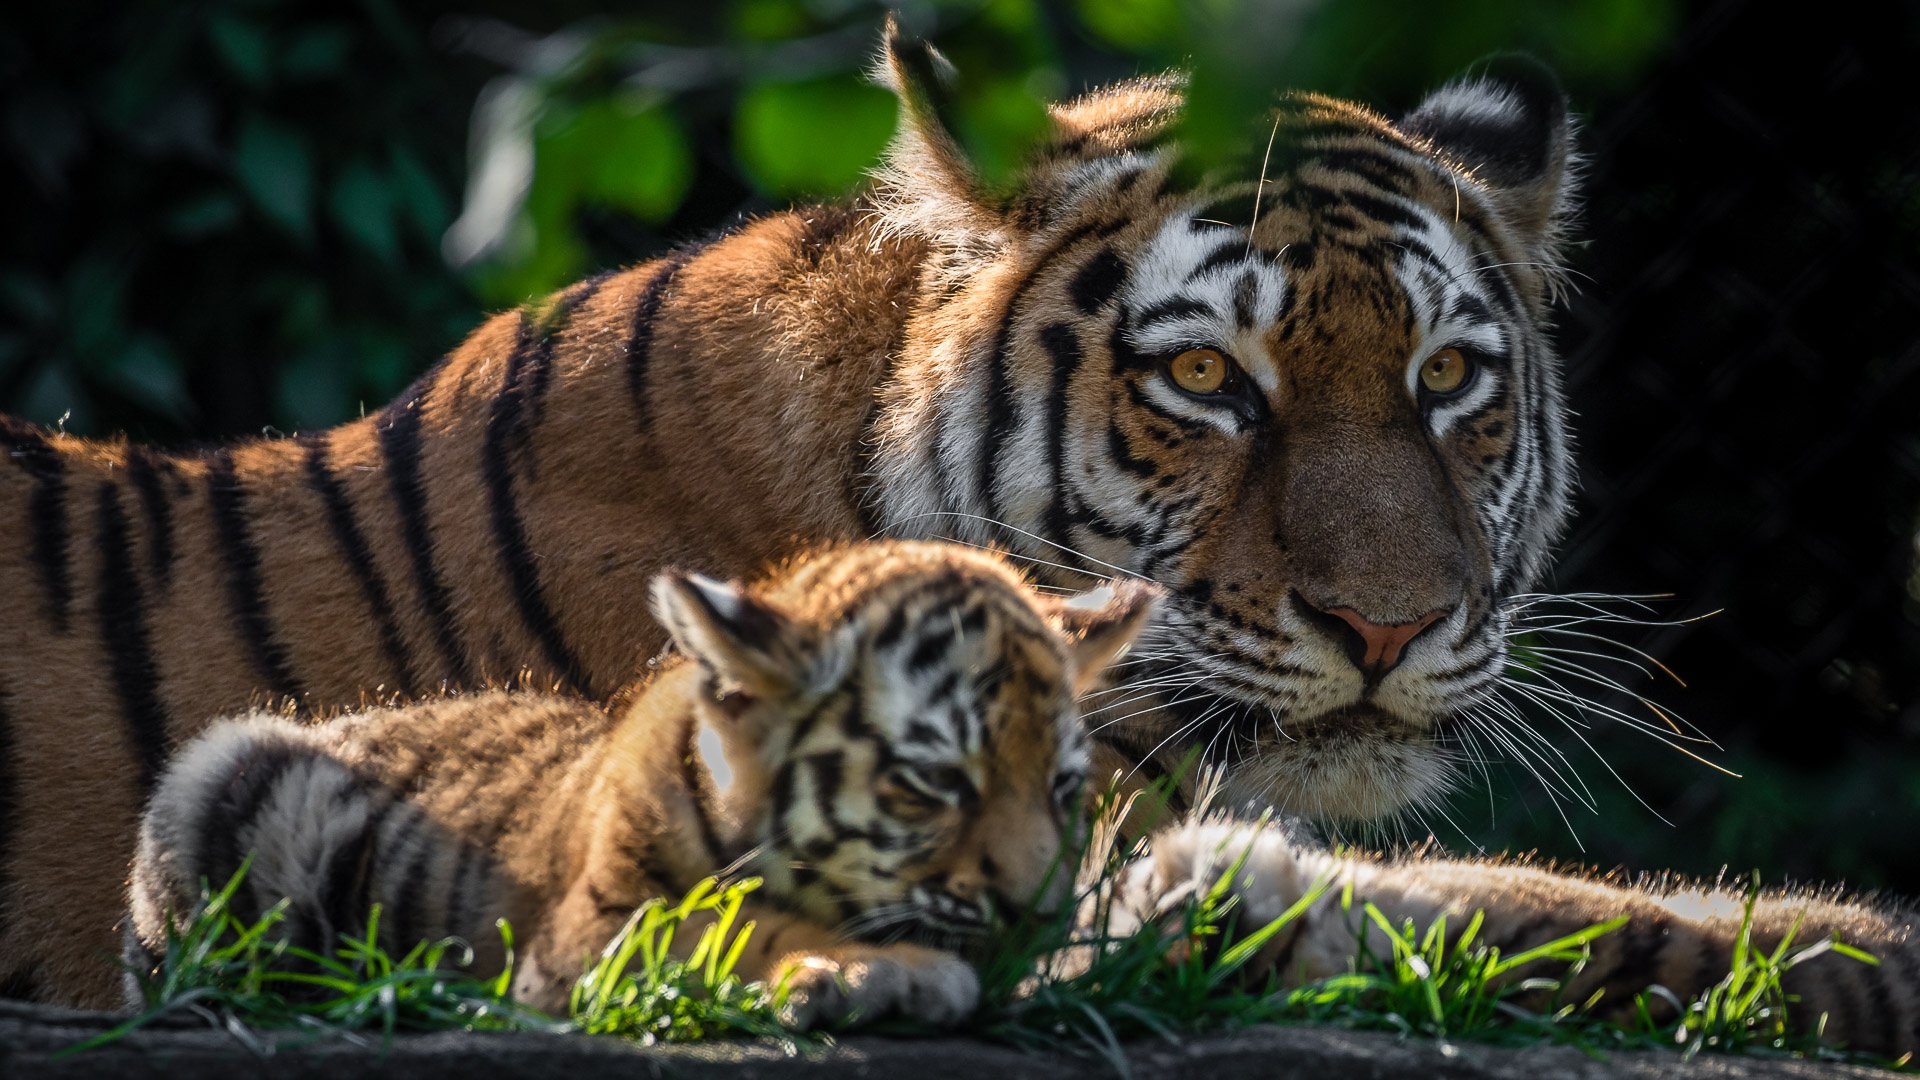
(1375, 648)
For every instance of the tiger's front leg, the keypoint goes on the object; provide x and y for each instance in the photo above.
(1682, 940)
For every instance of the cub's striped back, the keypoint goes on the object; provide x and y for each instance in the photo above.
(885, 733)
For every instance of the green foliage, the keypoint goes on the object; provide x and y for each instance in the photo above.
(242, 976)
(1431, 985)
(666, 999)
(1053, 983)
(814, 138)
(1747, 1010)
(232, 216)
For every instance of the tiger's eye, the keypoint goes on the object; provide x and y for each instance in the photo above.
(1199, 371)
(1445, 371)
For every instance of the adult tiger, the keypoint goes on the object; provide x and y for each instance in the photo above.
(1318, 404)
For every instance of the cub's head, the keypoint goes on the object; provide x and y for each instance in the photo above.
(896, 723)
(1312, 396)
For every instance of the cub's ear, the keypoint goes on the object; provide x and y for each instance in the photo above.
(926, 186)
(751, 644)
(1102, 623)
(1510, 128)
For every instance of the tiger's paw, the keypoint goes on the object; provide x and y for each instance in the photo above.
(857, 984)
(1185, 862)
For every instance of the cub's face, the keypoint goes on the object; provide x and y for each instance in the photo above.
(1317, 403)
(923, 757)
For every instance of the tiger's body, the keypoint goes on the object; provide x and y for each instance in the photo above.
(885, 734)
(1315, 399)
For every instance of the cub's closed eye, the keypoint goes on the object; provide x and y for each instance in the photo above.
(1201, 372)
(938, 783)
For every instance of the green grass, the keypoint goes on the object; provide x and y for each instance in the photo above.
(664, 999)
(1045, 985)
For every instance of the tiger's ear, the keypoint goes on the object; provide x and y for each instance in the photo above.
(1509, 127)
(751, 644)
(1102, 623)
(926, 186)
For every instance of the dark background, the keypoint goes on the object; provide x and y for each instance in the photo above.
(233, 217)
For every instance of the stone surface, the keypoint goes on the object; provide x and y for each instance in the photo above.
(188, 1051)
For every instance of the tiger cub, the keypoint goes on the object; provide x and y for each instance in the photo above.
(1678, 935)
(885, 733)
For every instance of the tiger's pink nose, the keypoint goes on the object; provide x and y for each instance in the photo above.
(1375, 648)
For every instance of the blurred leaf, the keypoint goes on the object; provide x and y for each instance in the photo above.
(384, 362)
(771, 20)
(362, 205)
(999, 124)
(148, 372)
(317, 52)
(272, 166)
(243, 46)
(93, 293)
(420, 197)
(1150, 25)
(47, 132)
(28, 298)
(55, 399)
(812, 138)
(313, 392)
(620, 155)
(214, 212)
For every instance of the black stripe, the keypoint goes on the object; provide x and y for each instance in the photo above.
(245, 599)
(225, 817)
(555, 319)
(1640, 948)
(1063, 345)
(400, 445)
(1000, 407)
(1232, 251)
(828, 772)
(46, 512)
(699, 781)
(930, 650)
(144, 468)
(507, 428)
(1098, 281)
(343, 899)
(408, 922)
(639, 348)
(1881, 1016)
(120, 608)
(345, 526)
(1177, 307)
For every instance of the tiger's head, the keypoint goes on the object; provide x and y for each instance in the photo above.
(1315, 400)
(895, 728)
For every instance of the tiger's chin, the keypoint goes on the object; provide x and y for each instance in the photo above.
(1352, 765)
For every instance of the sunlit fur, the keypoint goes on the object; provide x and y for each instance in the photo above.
(885, 733)
(1680, 934)
(935, 359)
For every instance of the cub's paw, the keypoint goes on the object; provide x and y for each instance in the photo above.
(858, 983)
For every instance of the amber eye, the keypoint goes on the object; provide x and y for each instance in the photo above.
(1445, 371)
(1198, 371)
